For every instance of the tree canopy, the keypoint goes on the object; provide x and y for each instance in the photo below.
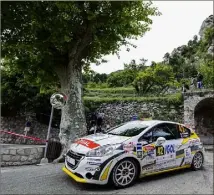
(42, 35)
(156, 78)
(49, 38)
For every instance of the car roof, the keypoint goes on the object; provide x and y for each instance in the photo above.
(151, 122)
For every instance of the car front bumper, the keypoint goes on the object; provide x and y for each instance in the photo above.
(82, 180)
(73, 176)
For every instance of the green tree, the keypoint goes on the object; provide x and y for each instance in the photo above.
(157, 79)
(63, 37)
(121, 78)
(135, 67)
(183, 59)
(126, 77)
(205, 56)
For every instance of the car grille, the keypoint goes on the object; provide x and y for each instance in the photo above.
(76, 156)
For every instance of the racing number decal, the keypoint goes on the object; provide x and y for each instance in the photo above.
(160, 151)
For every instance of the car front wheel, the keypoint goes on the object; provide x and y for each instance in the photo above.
(124, 173)
(197, 161)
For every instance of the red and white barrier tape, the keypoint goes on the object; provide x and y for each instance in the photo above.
(26, 137)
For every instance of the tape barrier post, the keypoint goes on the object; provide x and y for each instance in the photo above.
(45, 160)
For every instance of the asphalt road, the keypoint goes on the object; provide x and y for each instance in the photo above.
(49, 179)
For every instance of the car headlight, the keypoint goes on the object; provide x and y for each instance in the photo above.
(103, 150)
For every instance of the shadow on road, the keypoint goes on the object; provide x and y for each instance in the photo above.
(142, 181)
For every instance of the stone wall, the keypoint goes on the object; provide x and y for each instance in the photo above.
(194, 101)
(13, 155)
(17, 125)
(116, 113)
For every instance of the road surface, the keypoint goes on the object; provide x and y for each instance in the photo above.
(49, 179)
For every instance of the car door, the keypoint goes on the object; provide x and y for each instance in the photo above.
(148, 153)
(158, 157)
(184, 147)
(166, 152)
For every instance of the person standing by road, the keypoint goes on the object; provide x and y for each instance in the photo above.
(199, 80)
(100, 118)
(27, 127)
(93, 122)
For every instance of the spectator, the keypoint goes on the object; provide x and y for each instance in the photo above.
(100, 117)
(193, 83)
(199, 80)
(185, 87)
(27, 127)
(93, 122)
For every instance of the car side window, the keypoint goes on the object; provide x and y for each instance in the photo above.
(162, 131)
(173, 128)
(146, 137)
(184, 131)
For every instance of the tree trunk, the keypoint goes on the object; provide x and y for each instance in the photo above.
(73, 122)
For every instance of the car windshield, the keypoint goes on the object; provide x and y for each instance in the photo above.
(129, 129)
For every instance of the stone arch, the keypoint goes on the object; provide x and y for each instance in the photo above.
(204, 117)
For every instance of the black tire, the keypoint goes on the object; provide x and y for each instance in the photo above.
(132, 173)
(197, 161)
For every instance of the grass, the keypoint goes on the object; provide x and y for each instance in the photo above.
(112, 90)
(174, 98)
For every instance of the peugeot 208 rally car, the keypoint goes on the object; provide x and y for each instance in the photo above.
(131, 150)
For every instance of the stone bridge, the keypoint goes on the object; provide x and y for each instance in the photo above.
(199, 111)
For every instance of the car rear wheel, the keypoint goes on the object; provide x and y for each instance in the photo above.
(124, 173)
(197, 161)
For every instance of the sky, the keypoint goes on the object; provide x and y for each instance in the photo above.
(179, 22)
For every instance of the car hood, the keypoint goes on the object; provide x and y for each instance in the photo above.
(90, 142)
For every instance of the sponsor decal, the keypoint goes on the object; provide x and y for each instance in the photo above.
(92, 169)
(94, 163)
(87, 143)
(170, 149)
(170, 156)
(161, 165)
(187, 152)
(148, 148)
(150, 160)
(128, 147)
(160, 151)
(149, 168)
(139, 147)
(164, 164)
(185, 135)
(160, 159)
(193, 142)
(145, 166)
(171, 163)
(139, 154)
(179, 152)
(94, 159)
(151, 153)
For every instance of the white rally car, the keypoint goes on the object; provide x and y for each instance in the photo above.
(131, 150)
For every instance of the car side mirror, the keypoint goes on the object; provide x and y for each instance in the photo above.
(160, 141)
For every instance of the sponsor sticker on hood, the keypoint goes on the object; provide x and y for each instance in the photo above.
(87, 143)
